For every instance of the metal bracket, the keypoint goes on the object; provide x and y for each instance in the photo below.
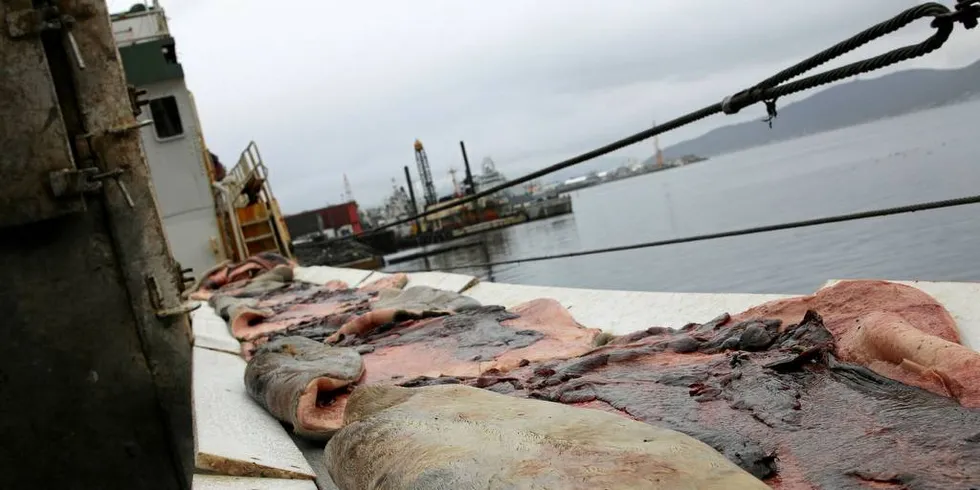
(74, 183)
(159, 308)
(85, 143)
(184, 277)
(120, 130)
(135, 99)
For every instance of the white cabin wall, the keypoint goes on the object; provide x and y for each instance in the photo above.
(181, 183)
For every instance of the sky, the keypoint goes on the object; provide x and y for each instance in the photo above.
(330, 88)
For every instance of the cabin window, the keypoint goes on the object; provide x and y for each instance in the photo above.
(166, 117)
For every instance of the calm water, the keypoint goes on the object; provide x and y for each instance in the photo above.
(920, 157)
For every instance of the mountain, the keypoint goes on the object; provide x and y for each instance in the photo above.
(840, 106)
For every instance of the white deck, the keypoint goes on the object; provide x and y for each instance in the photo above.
(621, 312)
(456, 283)
(219, 482)
(323, 274)
(211, 331)
(236, 436)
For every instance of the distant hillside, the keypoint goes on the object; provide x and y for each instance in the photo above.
(840, 106)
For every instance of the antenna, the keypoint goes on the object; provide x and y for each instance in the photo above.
(348, 195)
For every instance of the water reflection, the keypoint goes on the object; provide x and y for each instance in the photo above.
(553, 235)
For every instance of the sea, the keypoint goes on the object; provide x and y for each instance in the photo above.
(924, 156)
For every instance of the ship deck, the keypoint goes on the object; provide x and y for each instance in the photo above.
(235, 436)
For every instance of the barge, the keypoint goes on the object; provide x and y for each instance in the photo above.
(113, 355)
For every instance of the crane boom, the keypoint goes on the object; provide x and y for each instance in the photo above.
(425, 174)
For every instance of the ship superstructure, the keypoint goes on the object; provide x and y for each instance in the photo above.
(209, 215)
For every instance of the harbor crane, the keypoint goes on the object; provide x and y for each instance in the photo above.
(425, 174)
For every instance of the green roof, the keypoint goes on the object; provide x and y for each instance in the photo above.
(151, 62)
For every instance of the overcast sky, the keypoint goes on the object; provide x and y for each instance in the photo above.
(327, 87)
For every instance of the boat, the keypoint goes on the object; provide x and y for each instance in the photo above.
(224, 447)
(211, 214)
(491, 177)
(236, 442)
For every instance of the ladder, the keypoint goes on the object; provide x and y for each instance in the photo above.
(251, 211)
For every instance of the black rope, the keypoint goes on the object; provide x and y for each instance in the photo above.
(875, 32)
(948, 203)
(966, 12)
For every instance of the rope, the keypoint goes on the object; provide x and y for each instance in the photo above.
(966, 12)
(948, 203)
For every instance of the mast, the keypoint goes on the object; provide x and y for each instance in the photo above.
(348, 193)
(468, 185)
(452, 174)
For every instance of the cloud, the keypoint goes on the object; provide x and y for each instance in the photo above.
(334, 88)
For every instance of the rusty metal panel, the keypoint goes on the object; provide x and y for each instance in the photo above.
(96, 388)
(146, 262)
(33, 138)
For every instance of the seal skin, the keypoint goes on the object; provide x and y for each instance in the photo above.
(459, 437)
(297, 379)
(798, 399)
(774, 399)
(226, 273)
(895, 330)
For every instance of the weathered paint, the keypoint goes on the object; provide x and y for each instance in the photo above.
(182, 184)
(34, 139)
(138, 233)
